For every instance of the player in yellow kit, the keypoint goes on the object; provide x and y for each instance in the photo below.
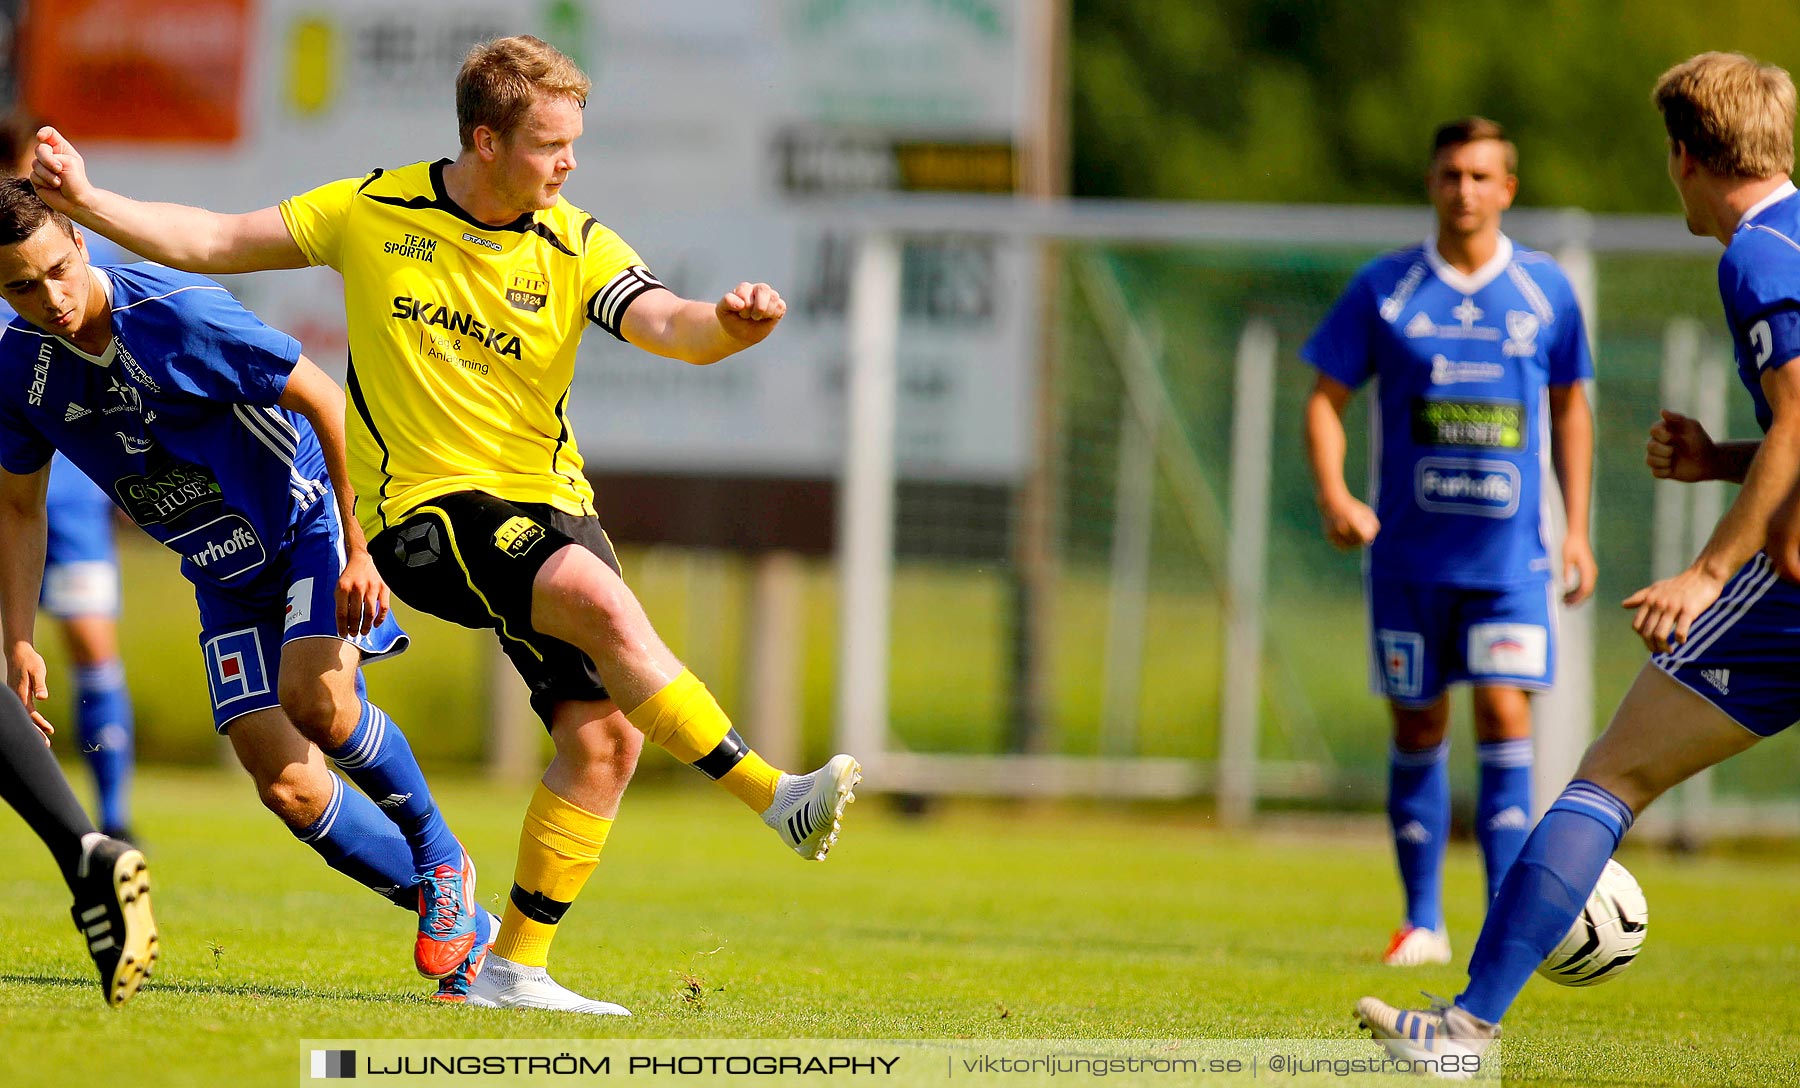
(467, 283)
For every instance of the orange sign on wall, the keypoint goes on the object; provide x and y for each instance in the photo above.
(144, 71)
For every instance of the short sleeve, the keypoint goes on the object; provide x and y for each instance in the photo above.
(224, 351)
(1571, 360)
(1759, 283)
(612, 276)
(316, 219)
(23, 450)
(1342, 347)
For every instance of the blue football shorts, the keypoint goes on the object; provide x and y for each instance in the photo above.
(1425, 637)
(243, 630)
(1742, 655)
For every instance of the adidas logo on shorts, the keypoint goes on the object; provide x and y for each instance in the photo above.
(1718, 678)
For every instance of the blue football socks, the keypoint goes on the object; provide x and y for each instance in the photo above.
(1542, 894)
(1502, 805)
(1419, 811)
(379, 760)
(356, 839)
(103, 728)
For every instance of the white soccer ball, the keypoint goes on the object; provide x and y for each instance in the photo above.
(1605, 937)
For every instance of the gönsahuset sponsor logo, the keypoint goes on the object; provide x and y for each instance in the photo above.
(1497, 425)
(166, 493)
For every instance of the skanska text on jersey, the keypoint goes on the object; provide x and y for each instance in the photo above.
(498, 341)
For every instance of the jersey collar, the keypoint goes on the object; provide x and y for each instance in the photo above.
(526, 224)
(105, 358)
(1469, 283)
(1781, 193)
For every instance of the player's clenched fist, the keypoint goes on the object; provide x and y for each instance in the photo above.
(57, 172)
(1349, 522)
(750, 312)
(1679, 449)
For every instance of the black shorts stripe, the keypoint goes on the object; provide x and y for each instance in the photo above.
(729, 753)
(538, 907)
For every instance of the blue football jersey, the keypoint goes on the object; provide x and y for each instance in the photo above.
(176, 420)
(1759, 283)
(1460, 414)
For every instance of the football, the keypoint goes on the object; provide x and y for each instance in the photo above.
(1606, 935)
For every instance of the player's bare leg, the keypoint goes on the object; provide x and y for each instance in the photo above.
(580, 599)
(1661, 735)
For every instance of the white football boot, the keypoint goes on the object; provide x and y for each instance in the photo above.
(1445, 1039)
(503, 984)
(1415, 945)
(808, 808)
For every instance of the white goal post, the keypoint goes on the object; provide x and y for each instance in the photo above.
(865, 560)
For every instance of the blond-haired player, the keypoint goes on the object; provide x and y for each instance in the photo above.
(467, 284)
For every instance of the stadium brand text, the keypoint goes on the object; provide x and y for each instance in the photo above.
(498, 341)
(40, 374)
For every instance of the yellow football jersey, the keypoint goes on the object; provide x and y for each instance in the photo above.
(462, 337)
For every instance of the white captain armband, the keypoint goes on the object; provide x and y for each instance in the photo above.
(607, 308)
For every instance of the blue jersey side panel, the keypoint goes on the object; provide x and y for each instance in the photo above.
(1461, 409)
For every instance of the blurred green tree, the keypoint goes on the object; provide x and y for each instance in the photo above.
(1335, 100)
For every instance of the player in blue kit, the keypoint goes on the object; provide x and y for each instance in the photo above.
(1724, 633)
(81, 575)
(1479, 356)
(214, 434)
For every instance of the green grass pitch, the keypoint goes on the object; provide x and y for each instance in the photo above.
(975, 921)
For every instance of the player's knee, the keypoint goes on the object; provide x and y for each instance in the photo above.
(611, 746)
(320, 714)
(293, 794)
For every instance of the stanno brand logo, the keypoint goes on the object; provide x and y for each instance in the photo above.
(40, 374)
(498, 341)
(418, 247)
(485, 243)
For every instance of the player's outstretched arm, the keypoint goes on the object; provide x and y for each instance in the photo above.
(1572, 451)
(23, 529)
(362, 596)
(1349, 523)
(1665, 611)
(173, 234)
(664, 323)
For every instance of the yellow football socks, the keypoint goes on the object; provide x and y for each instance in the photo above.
(559, 846)
(686, 720)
